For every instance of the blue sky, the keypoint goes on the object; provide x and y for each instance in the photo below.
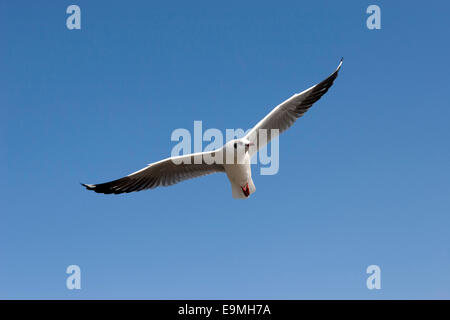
(364, 175)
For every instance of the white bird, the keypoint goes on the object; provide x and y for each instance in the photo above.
(176, 169)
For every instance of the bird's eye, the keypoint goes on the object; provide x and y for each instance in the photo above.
(235, 145)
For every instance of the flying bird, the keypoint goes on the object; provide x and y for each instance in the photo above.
(237, 168)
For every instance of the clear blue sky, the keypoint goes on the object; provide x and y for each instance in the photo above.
(364, 175)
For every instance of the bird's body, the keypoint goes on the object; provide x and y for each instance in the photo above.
(233, 158)
(240, 176)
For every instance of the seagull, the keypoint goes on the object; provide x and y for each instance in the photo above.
(237, 166)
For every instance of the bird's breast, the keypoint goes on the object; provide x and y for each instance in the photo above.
(238, 173)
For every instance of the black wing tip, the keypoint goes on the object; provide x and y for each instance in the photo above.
(96, 188)
(340, 64)
(334, 75)
(104, 188)
(88, 186)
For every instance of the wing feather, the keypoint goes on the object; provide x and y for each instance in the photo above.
(162, 173)
(285, 114)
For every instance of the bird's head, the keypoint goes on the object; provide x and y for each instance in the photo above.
(240, 143)
(238, 147)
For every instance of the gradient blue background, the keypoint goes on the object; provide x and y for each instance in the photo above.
(364, 175)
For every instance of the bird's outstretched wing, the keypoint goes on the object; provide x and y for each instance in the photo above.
(162, 173)
(286, 113)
